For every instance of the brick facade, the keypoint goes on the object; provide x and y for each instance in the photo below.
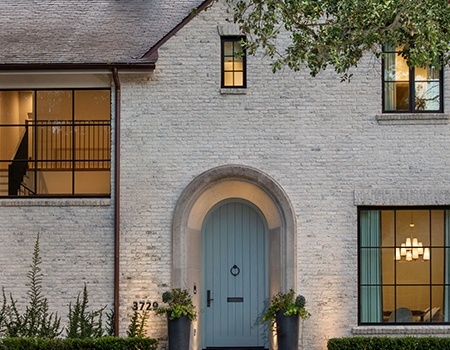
(318, 138)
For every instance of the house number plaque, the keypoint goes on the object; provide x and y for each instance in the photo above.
(145, 305)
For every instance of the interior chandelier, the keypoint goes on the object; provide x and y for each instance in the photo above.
(412, 249)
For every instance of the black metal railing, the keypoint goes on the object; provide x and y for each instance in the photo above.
(18, 167)
(52, 145)
(66, 144)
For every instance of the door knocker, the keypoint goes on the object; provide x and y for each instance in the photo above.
(235, 270)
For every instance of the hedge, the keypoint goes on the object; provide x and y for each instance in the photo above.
(385, 343)
(105, 343)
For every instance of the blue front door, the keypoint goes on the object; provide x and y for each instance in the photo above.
(235, 274)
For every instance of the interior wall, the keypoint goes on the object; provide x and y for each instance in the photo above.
(9, 114)
(60, 182)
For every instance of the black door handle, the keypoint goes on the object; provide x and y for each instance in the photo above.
(208, 298)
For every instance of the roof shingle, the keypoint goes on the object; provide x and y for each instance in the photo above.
(86, 31)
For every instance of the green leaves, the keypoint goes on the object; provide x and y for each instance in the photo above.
(289, 303)
(339, 33)
(179, 303)
(84, 323)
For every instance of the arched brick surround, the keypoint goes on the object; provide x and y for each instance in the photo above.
(213, 186)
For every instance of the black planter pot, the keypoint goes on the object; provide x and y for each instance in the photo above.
(287, 331)
(179, 333)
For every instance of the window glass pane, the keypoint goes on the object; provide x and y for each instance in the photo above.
(388, 302)
(92, 182)
(395, 68)
(437, 265)
(228, 79)
(92, 105)
(228, 65)
(92, 144)
(238, 79)
(54, 105)
(370, 306)
(237, 47)
(437, 227)
(427, 96)
(53, 144)
(387, 228)
(412, 272)
(238, 65)
(426, 74)
(436, 313)
(228, 48)
(388, 265)
(415, 298)
(54, 182)
(396, 96)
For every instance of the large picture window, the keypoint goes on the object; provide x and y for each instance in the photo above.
(408, 89)
(404, 260)
(55, 142)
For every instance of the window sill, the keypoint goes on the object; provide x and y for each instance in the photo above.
(401, 330)
(233, 91)
(56, 202)
(413, 118)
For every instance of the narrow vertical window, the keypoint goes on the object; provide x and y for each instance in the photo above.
(405, 89)
(233, 63)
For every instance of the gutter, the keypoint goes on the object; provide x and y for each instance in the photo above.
(115, 72)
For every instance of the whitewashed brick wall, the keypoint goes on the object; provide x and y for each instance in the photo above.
(317, 137)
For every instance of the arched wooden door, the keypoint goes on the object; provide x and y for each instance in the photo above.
(235, 276)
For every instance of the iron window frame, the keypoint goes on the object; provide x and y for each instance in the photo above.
(73, 161)
(444, 285)
(411, 90)
(234, 39)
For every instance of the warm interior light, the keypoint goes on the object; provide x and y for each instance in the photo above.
(403, 250)
(420, 249)
(412, 249)
(408, 255)
(426, 254)
(408, 242)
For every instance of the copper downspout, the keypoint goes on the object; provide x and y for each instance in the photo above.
(116, 201)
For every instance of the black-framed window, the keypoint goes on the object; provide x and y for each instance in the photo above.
(234, 62)
(55, 142)
(413, 90)
(404, 261)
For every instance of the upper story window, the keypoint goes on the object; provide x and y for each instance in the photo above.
(412, 90)
(404, 259)
(234, 70)
(55, 142)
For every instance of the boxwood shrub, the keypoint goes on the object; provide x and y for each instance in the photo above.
(385, 343)
(105, 343)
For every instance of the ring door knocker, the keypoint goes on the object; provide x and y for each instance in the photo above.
(235, 270)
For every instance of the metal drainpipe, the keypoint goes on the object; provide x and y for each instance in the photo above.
(115, 73)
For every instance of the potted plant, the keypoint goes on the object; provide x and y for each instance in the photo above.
(180, 312)
(285, 311)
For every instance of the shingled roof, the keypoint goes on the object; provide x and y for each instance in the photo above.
(88, 32)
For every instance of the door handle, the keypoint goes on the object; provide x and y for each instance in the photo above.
(208, 298)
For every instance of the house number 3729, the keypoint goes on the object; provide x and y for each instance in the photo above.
(144, 305)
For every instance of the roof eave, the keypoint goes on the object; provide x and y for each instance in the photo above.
(148, 65)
